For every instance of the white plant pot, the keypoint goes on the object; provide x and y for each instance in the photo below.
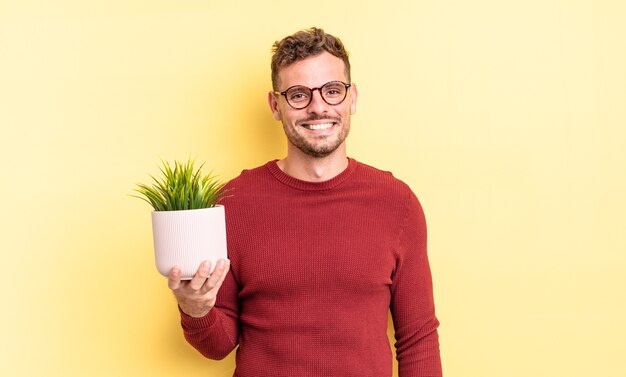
(187, 238)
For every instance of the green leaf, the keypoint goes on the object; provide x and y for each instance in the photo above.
(181, 187)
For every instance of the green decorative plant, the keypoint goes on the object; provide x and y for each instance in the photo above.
(182, 187)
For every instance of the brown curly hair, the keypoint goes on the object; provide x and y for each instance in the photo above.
(303, 44)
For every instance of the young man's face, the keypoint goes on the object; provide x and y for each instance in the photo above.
(319, 129)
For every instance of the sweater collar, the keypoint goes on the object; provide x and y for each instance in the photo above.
(311, 186)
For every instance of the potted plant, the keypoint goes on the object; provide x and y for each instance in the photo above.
(188, 224)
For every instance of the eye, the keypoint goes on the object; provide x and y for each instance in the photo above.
(334, 90)
(298, 95)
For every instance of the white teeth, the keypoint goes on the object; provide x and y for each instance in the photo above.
(322, 126)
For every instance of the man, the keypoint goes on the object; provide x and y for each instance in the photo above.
(321, 246)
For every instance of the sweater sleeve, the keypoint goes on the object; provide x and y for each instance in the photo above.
(412, 303)
(216, 334)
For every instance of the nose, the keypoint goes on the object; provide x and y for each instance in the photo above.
(317, 105)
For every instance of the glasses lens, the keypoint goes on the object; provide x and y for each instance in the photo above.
(298, 96)
(334, 92)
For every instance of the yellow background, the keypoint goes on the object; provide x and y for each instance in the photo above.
(507, 118)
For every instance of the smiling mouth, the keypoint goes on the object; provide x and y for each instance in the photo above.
(320, 126)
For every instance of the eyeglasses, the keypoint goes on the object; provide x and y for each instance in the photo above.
(299, 96)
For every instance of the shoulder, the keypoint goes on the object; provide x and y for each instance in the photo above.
(248, 176)
(382, 180)
(384, 184)
(250, 186)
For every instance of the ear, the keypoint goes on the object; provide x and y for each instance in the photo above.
(353, 96)
(273, 102)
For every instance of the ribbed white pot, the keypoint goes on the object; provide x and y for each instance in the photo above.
(187, 238)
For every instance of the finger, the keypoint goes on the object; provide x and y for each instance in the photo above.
(201, 276)
(218, 275)
(173, 278)
(224, 274)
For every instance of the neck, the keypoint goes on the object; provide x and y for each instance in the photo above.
(314, 169)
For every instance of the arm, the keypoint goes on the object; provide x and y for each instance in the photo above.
(209, 319)
(412, 303)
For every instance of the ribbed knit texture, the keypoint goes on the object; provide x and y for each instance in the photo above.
(315, 269)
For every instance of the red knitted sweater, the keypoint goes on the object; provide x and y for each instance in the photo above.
(315, 269)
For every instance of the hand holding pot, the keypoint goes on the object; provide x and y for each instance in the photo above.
(196, 297)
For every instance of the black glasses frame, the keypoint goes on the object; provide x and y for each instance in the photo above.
(319, 89)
